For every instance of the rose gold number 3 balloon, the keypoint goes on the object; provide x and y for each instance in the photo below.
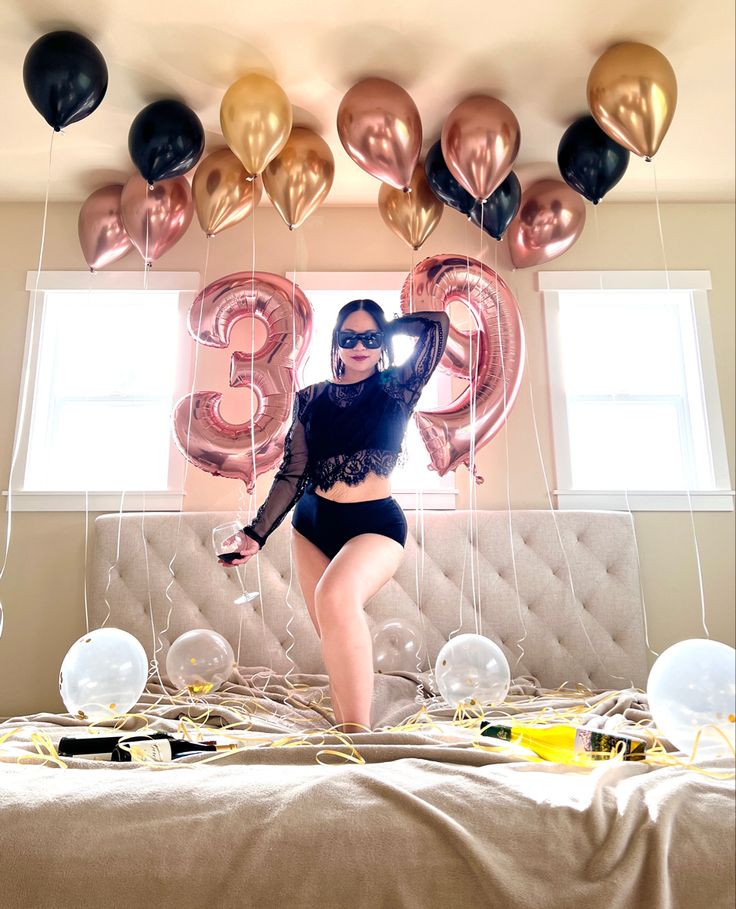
(225, 449)
(447, 432)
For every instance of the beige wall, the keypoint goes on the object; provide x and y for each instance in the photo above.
(44, 600)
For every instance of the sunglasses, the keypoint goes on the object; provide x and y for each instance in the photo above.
(348, 339)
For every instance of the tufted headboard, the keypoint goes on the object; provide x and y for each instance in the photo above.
(596, 638)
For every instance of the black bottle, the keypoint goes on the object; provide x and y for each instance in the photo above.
(167, 750)
(99, 747)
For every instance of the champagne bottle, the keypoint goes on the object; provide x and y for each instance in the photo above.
(569, 744)
(99, 747)
(164, 750)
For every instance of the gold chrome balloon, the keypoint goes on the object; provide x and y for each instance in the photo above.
(256, 118)
(300, 176)
(413, 215)
(224, 192)
(632, 93)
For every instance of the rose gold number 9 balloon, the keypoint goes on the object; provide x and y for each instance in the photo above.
(215, 445)
(448, 432)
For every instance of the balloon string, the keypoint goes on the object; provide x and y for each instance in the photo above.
(473, 424)
(418, 533)
(24, 392)
(684, 462)
(497, 303)
(124, 491)
(143, 515)
(468, 534)
(621, 461)
(146, 263)
(90, 279)
(469, 537)
(253, 444)
(514, 288)
(156, 649)
(114, 564)
(293, 398)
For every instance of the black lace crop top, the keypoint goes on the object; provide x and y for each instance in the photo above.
(344, 432)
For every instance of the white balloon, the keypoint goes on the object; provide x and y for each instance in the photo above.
(691, 685)
(200, 660)
(396, 644)
(472, 668)
(103, 674)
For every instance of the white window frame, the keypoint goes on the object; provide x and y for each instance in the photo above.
(171, 499)
(445, 497)
(698, 283)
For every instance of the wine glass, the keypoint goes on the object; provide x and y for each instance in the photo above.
(220, 535)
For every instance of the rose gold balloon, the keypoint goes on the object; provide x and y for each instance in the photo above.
(299, 177)
(449, 431)
(380, 128)
(480, 141)
(200, 431)
(102, 234)
(224, 192)
(632, 93)
(550, 219)
(413, 215)
(156, 218)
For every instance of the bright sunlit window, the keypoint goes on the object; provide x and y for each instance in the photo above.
(635, 400)
(105, 368)
(327, 293)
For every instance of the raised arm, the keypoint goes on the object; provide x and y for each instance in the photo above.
(431, 328)
(290, 479)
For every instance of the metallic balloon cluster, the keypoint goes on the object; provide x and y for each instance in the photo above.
(154, 209)
(380, 128)
(631, 92)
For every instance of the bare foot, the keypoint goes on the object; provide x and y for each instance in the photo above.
(351, 728)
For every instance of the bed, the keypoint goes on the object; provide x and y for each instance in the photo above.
(420, 811)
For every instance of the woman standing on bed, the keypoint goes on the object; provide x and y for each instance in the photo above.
(348, 532)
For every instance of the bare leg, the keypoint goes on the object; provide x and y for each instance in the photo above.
(357, 572)
(311, 563)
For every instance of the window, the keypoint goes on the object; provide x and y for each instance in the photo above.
(634, 394)
(328, 292)
(105, 363)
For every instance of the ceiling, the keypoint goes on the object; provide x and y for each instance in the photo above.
(533, 55)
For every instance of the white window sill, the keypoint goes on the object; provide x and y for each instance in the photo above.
(433, 499)
(157, 500)
(642, 500)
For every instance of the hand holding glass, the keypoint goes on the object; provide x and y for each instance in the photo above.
(229, 538)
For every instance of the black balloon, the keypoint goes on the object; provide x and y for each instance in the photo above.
(443, 184)
(165, 140)
(499, 208)
(589, 160)
(65, 77)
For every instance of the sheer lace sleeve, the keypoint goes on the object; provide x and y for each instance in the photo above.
(289, 481)
(431, 327)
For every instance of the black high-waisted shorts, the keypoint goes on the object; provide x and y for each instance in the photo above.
(330, 524)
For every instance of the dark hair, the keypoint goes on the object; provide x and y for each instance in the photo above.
(371, 307)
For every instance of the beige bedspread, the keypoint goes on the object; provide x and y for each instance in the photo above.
(428, 816)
